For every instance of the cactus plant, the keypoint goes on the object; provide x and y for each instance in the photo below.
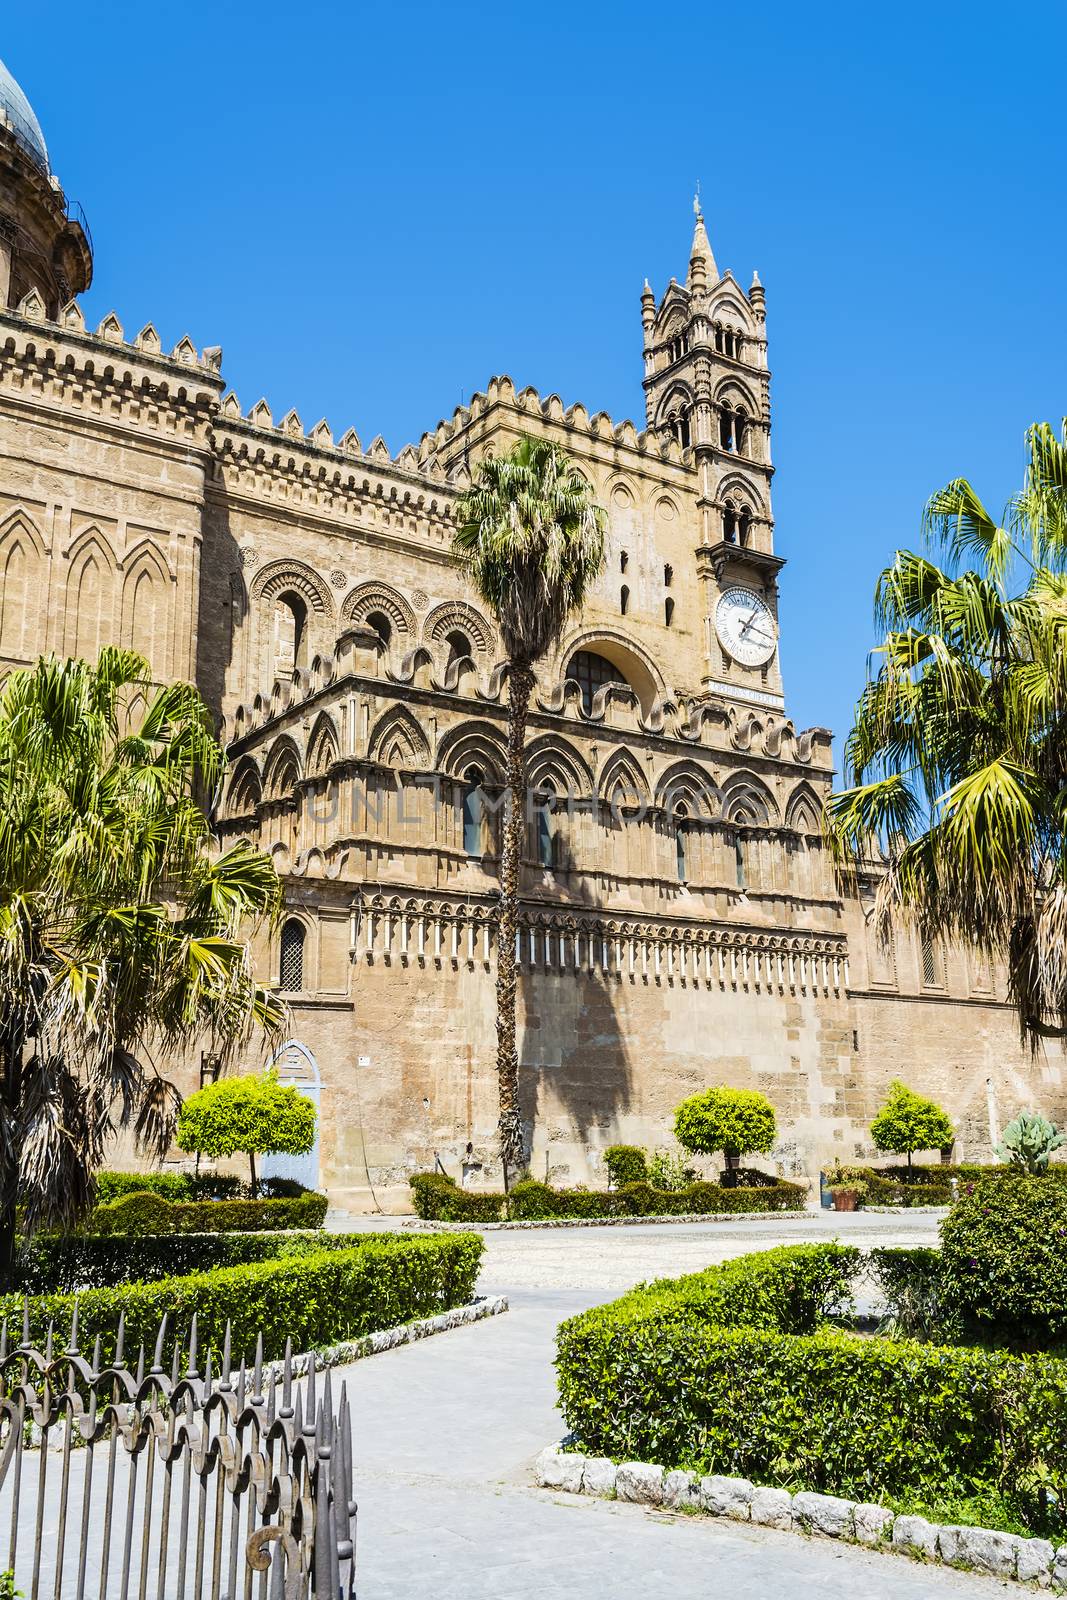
(1029, 1140)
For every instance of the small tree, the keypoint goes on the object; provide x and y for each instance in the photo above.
(251, 1116)
(909, 1122)
(736, 1121)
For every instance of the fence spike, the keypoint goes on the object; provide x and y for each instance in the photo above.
(72, 1348)
(175, 1364)
(120, 1339)
(157, 1356)
(271, 1412)
(287, 1378)
(298, 1415)
(207, 1372)
(25, 1319)
(49, 1340)
(257, 1370)
(241, 1386)
(312, 1404)
(3, 1340)
(140, 1365)
(227, 1356)
(191, 1371)
(96, 1357)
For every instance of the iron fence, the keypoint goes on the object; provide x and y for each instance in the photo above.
(182, 1485)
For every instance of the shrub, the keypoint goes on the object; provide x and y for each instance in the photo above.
(254, 1115)
(668, 1172)
(912, 1282)
(1004, 1250)
(316, 1299)
(439, 1199)
(149, 1213)
(68, 1262)
(626, 1164)
(909, 1122)
(730, 1371)
(191, 1186)
(736, 1121)
(1029, 1140)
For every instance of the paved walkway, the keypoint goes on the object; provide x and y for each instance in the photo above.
(446, 1432)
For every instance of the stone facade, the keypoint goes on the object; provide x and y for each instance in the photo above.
(682, 924)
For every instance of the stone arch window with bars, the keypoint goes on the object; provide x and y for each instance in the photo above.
(291, 964)
(678, 422)
(677, 348)
(591, 672)
(736, 523)
(728, 342)
(733, 429)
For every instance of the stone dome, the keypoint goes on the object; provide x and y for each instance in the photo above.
(17, 114)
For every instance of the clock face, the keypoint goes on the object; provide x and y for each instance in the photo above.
(745, 626)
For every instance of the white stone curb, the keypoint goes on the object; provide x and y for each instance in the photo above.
(606, 1222)
(1002, 1555)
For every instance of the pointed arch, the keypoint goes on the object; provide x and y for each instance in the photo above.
(91, 575)
(246, 789)
(22, 559)
(476, 744)
(145, 624)
(323, 746)
(369, 598)
(732, 392)
(688, 785)
(804, 811)
(397, 740)
(282, 770)
(553, 763)
(278, 577)
(746, 800)
(458, 616)
(621, 785)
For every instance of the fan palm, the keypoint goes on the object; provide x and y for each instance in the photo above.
(532, 538)
(957, 763)
(119, 932)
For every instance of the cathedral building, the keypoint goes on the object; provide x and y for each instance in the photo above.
(681, 922)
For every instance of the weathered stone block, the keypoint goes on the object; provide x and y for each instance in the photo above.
(915, 1533)
(599, 1477)
(560, 1470)
(1034, 1561)
(827, 1514)
(681, 1491)
(726, 1497)
(986, 1550)
(1059, 1568)
(872, 1523)
(637, 1481)
(772, 1508)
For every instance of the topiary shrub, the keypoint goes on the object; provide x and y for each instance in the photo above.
(438, 1198)
(253, 1115)
(626, 1163)
(1004, 1258)
(150, 1214)
(737, 1122)
(909, 1122)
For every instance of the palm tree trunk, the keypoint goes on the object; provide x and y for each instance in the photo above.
(520, 685)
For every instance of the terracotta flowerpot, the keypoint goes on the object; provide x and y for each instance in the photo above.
(845, 1200)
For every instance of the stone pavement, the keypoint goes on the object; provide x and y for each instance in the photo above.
(446, 1431)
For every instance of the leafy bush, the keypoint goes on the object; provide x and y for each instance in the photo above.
(736, 1121)
(1029, 1140)
(191, 1186)
(626, 1163)
(668, 1172)
(1004, 1251)
(439, 1199)
(909, 1122)
(912, 1283)
(316, 1299)
(149, 1213)
(887, 1186)
(253, 1115)
(66, 1262)
(730, 1371)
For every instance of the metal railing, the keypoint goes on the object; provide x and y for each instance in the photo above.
(180, 1485)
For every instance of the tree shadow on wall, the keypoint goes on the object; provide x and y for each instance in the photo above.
(575, 1072)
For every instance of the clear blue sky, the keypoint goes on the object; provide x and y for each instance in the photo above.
(373, 209)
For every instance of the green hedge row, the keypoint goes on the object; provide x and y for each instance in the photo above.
(437, 1198)
(150, 1214)
(729, 1371)
(79, 1261)
(317, 1298)
(188, 1186)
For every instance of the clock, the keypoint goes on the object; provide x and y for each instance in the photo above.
(745, 627)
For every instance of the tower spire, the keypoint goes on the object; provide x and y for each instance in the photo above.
(701, 251)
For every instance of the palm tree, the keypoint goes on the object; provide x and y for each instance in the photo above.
(119, 931)
(532, 538)
(957, 763)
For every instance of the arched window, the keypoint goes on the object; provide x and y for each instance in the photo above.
(729, 522)
(292, 959)
(624, 560)
(678, 422)
(545, 831)
(379, 622)
(591, 671)
(624, 599)
(740, 431)
(739, 861)
(472, 812)
(744, 524)
(459, 646)
(733, 429)
(681, 843)
(668, 610)
(290, 633)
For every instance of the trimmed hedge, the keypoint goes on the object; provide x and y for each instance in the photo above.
(315, 1299)
(438, 1199)
(1004, 1259)
(78, 1261)
(151, 1214)
(187, 1186)
(729, 1371)
(626, 1163)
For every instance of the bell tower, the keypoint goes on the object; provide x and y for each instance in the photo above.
(44, 242)
(707, 387)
